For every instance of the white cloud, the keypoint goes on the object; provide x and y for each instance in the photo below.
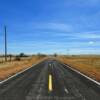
(92, 35)
(86, 35)
(87, 2)
(53, 26)
(60, 26)
(81, 35)
(93, 2)
(91, 42)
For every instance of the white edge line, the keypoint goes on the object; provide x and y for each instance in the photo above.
(1, 82)
(66, 90)
(82, 74)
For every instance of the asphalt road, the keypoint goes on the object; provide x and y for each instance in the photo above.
(48, 80)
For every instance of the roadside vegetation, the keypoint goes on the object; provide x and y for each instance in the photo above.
(89, 65)
(17, 63)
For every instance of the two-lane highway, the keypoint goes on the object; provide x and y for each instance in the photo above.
(48, 80)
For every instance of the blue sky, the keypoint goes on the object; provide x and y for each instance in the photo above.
(49, 26)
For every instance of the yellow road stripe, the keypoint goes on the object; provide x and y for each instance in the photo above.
(50, 83)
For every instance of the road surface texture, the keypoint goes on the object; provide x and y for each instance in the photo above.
(48, 80)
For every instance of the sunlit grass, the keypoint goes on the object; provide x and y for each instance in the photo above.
(10, 68)
(89, 65)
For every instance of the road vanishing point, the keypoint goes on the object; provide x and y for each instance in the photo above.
(47, 80)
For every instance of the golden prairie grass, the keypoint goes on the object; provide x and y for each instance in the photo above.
(10, 68)
(89, 65)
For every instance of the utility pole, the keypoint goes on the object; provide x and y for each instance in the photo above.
(5, 29)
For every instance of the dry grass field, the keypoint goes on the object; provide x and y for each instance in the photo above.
(2, 59)
(10, 68)
(89, 65)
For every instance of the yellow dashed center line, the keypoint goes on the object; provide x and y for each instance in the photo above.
(50, 83)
